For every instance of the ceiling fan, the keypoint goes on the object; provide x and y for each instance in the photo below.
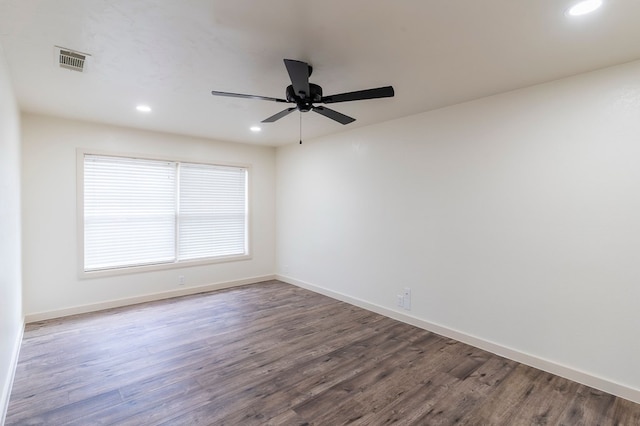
(305, 94)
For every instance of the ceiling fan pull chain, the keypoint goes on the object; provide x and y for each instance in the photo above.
(300, 127)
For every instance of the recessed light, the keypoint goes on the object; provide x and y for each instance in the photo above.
(584, 7)
(143, 108)
(255, 128)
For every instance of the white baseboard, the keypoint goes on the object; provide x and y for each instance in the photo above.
(116, 303)
(6, 387)
(549, 366)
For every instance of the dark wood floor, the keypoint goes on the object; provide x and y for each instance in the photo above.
(272, 353)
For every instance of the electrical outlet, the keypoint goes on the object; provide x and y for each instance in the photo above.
(406, 298)
(400, 300)
(180, 279)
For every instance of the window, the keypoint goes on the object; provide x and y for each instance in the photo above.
(140, 212)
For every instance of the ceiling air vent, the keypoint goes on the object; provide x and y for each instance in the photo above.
(71, 59)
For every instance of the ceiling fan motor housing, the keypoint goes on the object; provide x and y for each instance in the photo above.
(305, 103)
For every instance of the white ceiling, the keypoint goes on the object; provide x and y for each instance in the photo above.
(171, 53)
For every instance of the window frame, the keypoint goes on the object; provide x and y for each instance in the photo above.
(177, 264)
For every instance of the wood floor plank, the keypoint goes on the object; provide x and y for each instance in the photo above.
(144, 405)
(526, 395)
(275, 354)
(401, 369)
(506, 397)
(272, 383)
(67, 413)
(590, 406)
(414, 404)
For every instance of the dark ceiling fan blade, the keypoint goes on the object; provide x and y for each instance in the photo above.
(334, 115)
(279, 115)
(380, 92)
(299, 75)
(240, 95)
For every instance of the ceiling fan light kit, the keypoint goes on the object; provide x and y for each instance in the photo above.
(304, 95)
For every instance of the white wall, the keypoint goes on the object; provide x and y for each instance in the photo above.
(11, 318)
(515, 219)
(51, 282)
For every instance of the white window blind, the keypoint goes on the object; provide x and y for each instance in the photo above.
(143, 212)
(129, 212)
(212, 215)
